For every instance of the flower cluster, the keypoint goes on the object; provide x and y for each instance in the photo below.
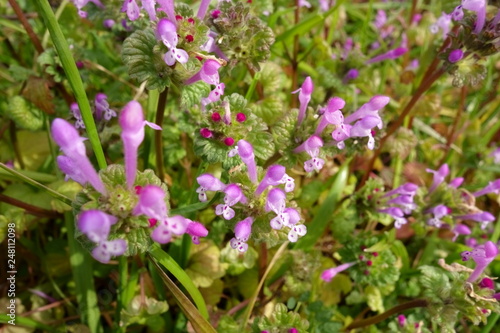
(102, 111)
(245, 197)
(400, 203)
(101, 226)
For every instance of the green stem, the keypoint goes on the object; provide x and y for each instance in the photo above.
(160, 115)
(30, 181)
(492, 320)
(253, 299)
(73, 76)
(122, 280)
(417, 303)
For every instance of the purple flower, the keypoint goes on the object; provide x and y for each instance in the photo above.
(458, 13)
(439, 212)
(439, 176)
(66, 137)
(460, 229)
(108, 24)
(330, 273)
(405, 189)
(167, 30)
(478, 6)
(442, 23)
(79, 4)
(149, 7)
(72, 171)
(496, 153)
(482, 217)
(215, 96)
(397, 214)
(132, 9)
(305, 92)
(391, 54)
(209, 73)
(168, 227)
(107, 249)
(380, 19)
(492, 187)
(96, 225)
(102, 109)
(455, 55)
(275, 175)
(332, 114)
(151, 203)
(482, 255)
(456, 182)
(196, 230)
(232, 197)
(75, 110)
(168, 7)
(132, 123)
(311, 146)
(202, 10)
(208, 183)
(285, 217)
(242, 232)
(350, 75)
(245, 150)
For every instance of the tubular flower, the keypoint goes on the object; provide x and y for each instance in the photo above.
(208, 183)
(391, 54)
(311, 146)
(132, 123)
(330, 273)
(439, 176)
(232, 197)
(102, 109)
(242, 232)
(66, 137)
(168, 34)
(245, 150)
(482, 255)
(209, 73)
(305, 92)
(275, 175)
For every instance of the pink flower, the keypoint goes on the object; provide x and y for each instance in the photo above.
(330, 273)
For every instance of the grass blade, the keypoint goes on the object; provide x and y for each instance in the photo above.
(73, 77)
(26, 322)
(166, 261)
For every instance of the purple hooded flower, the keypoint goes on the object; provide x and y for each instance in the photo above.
(196, 230)
(96, 225)
(208, 183)
(482, 217)
(214, 96)
(443, 23)
(439, 176)
(305, 92)
(478, 6)
(132, 9)
(482, 255)
(209, 73)
(79, 4)
(242, 232)
(102, 109)
(311, 146)
(75, 110)
(167, 30)
(232, 197)
(492, 187)
(168, 227)
(460, 229)
(245, 150)
(107, 249)
(151, 203)
(330, 273)
(332, 114)
(132, 123)
(458, 13)
(439, 212)
(72, 171)
(275, 175)
(397, 214)
(67, 137)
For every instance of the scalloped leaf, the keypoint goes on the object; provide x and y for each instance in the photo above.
(24, 114)
(144, 61)
(192, 94)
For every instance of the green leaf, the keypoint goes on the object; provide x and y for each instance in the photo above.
(166, 261)
(324, 215)
(27, 322)
(374, 299)
(24, 114)
(192, 94)
(143, 63)
(270, 109)
(73, 75)
(204, 266)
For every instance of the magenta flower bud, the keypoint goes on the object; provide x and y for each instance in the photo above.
(274, 175)
(439, 176)
(352, 74)
(196, 230)
(482, 255)
(293, 329)
(209, 73)
(167, 228)
(151, 203)
(276, 200)
(132, 9)
(329, 274)
(96, 225)
(405, 189)
(401, 320)
(460, 229)
(392, 54)
(206, 133)
(229, 141)
(241, 117)
(132, 123)
(66, 136)
(216, 117)
(305, 92)
(487, 283)
(455, 55)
